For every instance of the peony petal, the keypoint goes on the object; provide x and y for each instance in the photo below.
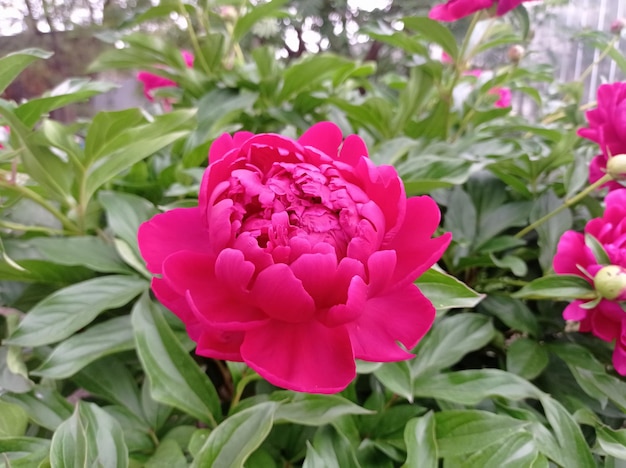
(173, 300)
(403, 315)
(212, 303)
(325, 136)
(574, 312)
(352, 150)
(282, 296)
(571, 252)
(341, 314)
(415, 249)
(219, 344)
(170, 232)
(317, 272)
(305, 357)
(233, 271)
(380, 267)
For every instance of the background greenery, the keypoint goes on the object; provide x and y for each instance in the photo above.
(93, 372)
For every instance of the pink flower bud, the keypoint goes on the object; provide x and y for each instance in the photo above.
(616, 167)
(515, 53)
(617, 25)
(610, 282)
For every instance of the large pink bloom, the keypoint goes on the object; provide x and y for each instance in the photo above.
(300, 257)
(457, 9)
(607, 128)
(608, 319)
(151, 81)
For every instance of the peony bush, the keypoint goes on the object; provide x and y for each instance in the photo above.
(290, 260)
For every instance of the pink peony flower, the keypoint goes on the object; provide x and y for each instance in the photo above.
(504, 96)
(151, 81)
(598, 169)
(300, 257)
(456, 9)
(607, 320)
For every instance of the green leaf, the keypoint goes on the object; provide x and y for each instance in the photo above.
(597, 249)
(168, 454)
(106, 126)
(512, 312)
(574, 449)
(45, 407)
(612, 441)
(314, 410)
(30, 450)
(135, 144)
(125, 213)
(309, 72)
(110, 379)
(13, 64)
(557, 287)
(91, 437)
(70, 309)
(435, 32)
(110, 337)
(175, 378)
(334, 448)
(257, 13)
(550, 232)
(88, 251)
(232, 442)
(462, 432)
(420, 437)
(526, 358)
(516, 451)
(470, 387)
(449, 340)
(314, 459)
(447, 292)
(13, 420)
(68, 92)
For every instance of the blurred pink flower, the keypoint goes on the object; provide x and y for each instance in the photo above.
(457, 9)
(445, 58)
(151, 81)
(504, 94)
(607, 320)
(300, 257)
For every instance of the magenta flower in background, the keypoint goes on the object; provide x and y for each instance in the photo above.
(607, 320)
(151, 81)
(300, 257)
(456, 9)
(504, 96)
(607, 128)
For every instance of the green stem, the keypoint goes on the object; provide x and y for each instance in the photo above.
(194, 39)
(566, 204)
(604, 53)
(26, 228)
(67, 224)
(241, 386)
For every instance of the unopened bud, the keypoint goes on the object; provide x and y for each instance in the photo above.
(617, 25)
(515, 53)
(610, 282)
(616, 167)
(228, 13)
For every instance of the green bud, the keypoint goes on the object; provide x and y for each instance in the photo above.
(610, 282)
(616, 167)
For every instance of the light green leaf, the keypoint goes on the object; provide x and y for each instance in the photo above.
(45, 407)
(168, 454)
(556, 287)
(433, 31)
(13, 64)
(256, 14)
(91, 437)
(612, 441)
(420, 437)
(70, 309)
(88, 251)
(470, 387)
(13, 420)
(232, 442)
(512, 312)
(175, 379)
(526, 358)
(110, 337)
(447, 292)
(314, 410)
(516, 451)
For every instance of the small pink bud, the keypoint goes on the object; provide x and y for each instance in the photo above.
(515, 53)
(617, 25)
(610, 282)
(616, 167)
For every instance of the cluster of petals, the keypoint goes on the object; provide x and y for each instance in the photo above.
(607, 320)
(607, 128)
(152, 81)
(454, 10)
(300, 258)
